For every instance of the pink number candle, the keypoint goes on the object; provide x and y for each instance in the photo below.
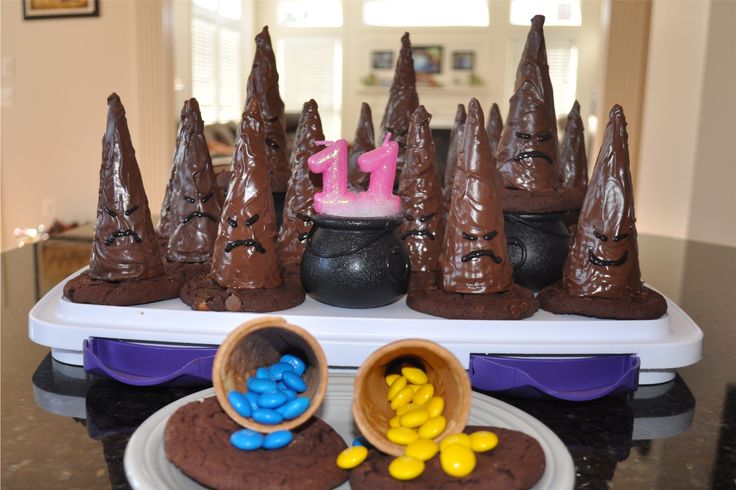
(332, 163)
(381, 164)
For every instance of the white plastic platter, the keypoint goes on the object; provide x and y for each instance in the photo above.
(147, 468)
(349, 336)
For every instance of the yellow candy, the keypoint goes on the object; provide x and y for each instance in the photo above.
(482, 441)
(402, 410)
(406, 468)
(401, 435)
(457, 460)
(401, 398)
(415, 388)
(414, 375)
(414, 418)
(435, 406)
(432, 427)
(423, 394)
(398, 385)
(394, 422)
(391, 378)
(423, 449)
(459, 438)
(352, 457)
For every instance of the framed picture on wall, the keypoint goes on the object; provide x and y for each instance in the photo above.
(427, 59)
(382, 60)
(49, 9)
(463, 60)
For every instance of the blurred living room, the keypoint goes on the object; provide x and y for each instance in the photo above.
(670, 64)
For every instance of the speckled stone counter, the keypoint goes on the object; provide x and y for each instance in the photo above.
(64, 429)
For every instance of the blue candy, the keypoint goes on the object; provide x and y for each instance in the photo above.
(261, 385)
(240, 403)
(263, 373)
(294, 381)
(252, 398)
(267, 416)
(278, 439)
(360, 441)
(296, 363)
(278, 369)
(247, 439)
(272, 399)
(290, 394)
(294, 408)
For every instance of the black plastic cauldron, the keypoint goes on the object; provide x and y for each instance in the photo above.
(538, 246)
(355, 262)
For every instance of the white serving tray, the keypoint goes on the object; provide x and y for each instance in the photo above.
(349, 336)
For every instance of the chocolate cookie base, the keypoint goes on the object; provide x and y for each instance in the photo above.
(203, 293)
(516, 463)
(515, 304)
(86, 289)
(648, 305)
(197, 441)
(189, 270)
(530, 202)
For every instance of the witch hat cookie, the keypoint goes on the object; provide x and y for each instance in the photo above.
(402, 100)
(194, 205)
(421, 197)
(475, 270)
(573, 160)
(494, 126)
(601, 277)
(126, 266)
(453, 153)
(363, 141)
(528, 148)
(263, 85)
(245, 273)
(299, 202)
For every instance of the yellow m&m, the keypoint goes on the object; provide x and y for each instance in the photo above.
(391, 378)
(482, 441)
(432, 427)
(414, 375)
(435, 406)
(402, 398)
(423, 394)
(398, 385)
(406, 468)
(458, 438)
(352, 457)
(401, 435)
(423, 449)
(414, 418)
(457, 460)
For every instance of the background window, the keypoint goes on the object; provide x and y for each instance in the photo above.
(309, 13)
(425, 13)
(556, 12)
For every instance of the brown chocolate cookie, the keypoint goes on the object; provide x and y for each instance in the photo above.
(516, 463)
(203, 293)
(648, 305)
(424, 296)
(520, 201)
(197, 441)
(86, 289)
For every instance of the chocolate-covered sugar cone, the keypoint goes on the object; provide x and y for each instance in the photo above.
(475, 270)
(494, 126)
(601, 276)
(573, 160)
(125, 244)
(454, 150)
(299, 202)
(421, 196)
(166, 223)
(263, 85)
(363, 141)
(126, 266)
(402, 100)
(195, 205)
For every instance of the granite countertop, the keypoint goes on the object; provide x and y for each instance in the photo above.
(64, 429)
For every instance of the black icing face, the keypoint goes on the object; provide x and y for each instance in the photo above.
(199, 208)
(482, 252)
(609, 249)
(235, 231)
(122, 222)
(534, 146)
(420, 228)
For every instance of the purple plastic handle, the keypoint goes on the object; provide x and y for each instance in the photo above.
(574, 379)
(149, 364)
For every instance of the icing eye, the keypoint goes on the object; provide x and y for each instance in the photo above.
(468, 236)
(232, 223)
(620, 237)
(490, 235)
(130, 211)
(426, 217)
(188, 199)
(600, 236)
(251, 221)
(111, 212)
(408, 217)
(272, 144)
(304, 217)
(544, 136)
(524, 136)
(207, 197)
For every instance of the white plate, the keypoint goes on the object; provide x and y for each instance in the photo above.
(147, 468)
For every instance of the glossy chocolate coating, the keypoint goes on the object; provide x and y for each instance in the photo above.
(573, 160)
(364, 141)
(245, 250)
(195, 205)
(494, 126)
(402, 100)
(604, 257)
(299, 201)
(263, 85)
(453, 152)
(166, 224)
(421, 196)
(528, 148)
(474, 256)
(125, 244)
